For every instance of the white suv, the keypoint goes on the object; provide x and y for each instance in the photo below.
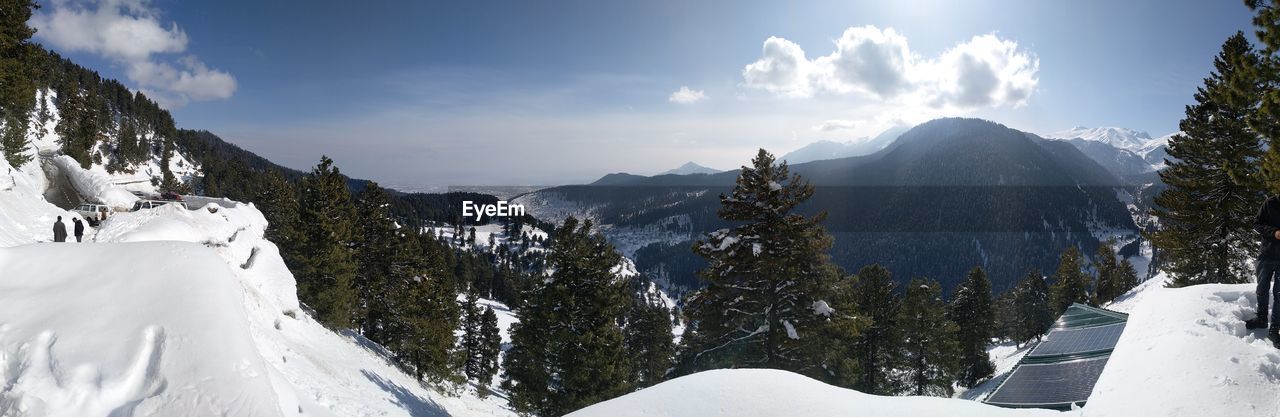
(93, 213)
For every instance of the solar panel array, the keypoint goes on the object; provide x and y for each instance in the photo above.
(1049, 384)
(1063, 368)
(1078, 341)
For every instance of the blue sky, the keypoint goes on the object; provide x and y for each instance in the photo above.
(423, 93)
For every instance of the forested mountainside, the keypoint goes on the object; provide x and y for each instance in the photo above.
(945, 196)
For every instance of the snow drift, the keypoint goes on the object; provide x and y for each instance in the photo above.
(96, 186)
(140, 328)
(772, 393)
(1185, 352)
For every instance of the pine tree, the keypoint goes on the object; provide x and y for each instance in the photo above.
(490, 348)
(764, 279)
(1265, 120)
(1070, 284)
(472, 341)
(929, 340)
(878, 348)
(648, 340)
(1032, 312)
(17, 90)
(1107, 281)
(1127, 278)
(378, 249)
(1213, 179)
(278, 200)
(327, 264)
(971, 310)
(424, 312)
(568, 348)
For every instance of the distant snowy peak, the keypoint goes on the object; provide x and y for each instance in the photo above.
(691, 168)
(1119, 137)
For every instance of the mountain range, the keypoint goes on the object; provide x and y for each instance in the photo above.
(945, 196)
(826, 149)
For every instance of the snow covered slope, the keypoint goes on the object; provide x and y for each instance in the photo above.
(1118, 137)
(1185, 352)
(772, 393)
(178, 312)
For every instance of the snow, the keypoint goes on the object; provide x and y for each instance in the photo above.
(1185, 352)
(179, 312)
(791, 330)
(821, 308)
(136, 330)
(25, 217)
(770, 393)
(93, 185)
(1118, 137)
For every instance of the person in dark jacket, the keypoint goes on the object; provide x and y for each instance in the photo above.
(79, 229)
(1267, 224)
(59, 231)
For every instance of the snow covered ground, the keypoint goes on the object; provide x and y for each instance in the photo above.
(177, 312)
(772, 393)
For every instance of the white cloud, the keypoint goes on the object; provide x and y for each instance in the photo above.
(686, 96)
(781, 69)
(985, 71)
(130, 33)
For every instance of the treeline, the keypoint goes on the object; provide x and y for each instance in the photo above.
(100, 120)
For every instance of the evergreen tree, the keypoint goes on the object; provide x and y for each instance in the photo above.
(1213, 188)
(929, 340)
(648, 340)
(425, 313)
(1127, 279)
(327, 261)
(490, 348)
(472, 341)
(878, 348)
(568, 348)
(278, 201)
(378, 249)
(17, 90)
(1107, 281)
(764, 279)
(1265, 120)
(971, 310)
(1032, 313)
(1070, 284)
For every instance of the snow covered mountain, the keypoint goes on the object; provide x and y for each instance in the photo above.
(1151, 150)
(690, 168)
(826, 149)
(1119, 137)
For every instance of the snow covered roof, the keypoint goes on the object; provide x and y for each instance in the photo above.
(1063, 368)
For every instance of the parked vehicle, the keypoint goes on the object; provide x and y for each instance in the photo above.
(93, 213)
(150, 204)
(171, 196)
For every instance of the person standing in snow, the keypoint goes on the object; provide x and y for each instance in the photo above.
(1267, 224)
(59, 231)
(79, 229)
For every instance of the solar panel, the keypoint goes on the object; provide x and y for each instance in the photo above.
(1079, 340)
(1049, 385)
